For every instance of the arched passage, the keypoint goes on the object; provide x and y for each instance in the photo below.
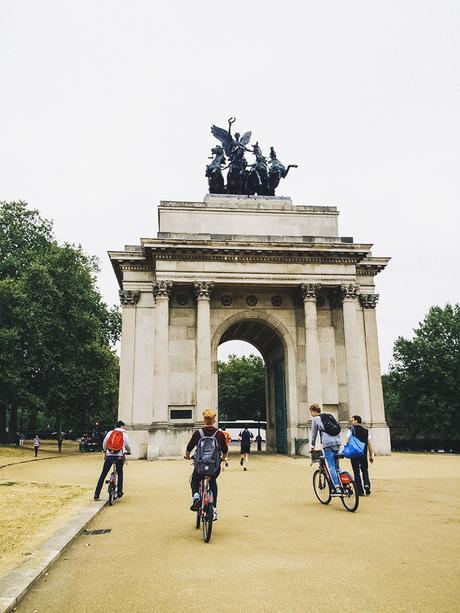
(275, 345)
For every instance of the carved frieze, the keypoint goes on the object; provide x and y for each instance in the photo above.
(162, 289)
(309, 291)
(129, 296)
(369, 301)
(203, 289)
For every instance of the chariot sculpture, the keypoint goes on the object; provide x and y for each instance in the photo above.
(261, 178)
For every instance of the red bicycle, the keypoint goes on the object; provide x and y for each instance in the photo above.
(323, 487)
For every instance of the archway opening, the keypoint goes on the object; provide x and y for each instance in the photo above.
(252, 383)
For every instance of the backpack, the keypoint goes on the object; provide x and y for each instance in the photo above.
(115, 441)
(330, 424)
(207, 455)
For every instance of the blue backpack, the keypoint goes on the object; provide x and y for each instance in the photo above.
(354, 448)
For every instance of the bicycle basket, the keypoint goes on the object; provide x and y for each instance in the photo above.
(316, 455)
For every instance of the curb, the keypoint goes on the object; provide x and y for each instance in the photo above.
(16, 584)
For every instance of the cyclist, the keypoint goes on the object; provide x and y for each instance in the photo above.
(209, 417)
(331, 444)
(115, 443)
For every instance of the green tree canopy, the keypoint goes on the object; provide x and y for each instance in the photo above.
(57, 335)
(422, 389)
(242, 388)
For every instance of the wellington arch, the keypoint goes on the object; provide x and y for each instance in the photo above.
(253, 268)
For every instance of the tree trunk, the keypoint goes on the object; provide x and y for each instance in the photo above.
(3, 432)
(13, 422)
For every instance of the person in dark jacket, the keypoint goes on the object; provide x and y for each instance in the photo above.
(359, 464)
(209, 417)
(245, 436)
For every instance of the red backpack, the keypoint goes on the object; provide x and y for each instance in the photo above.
(115, 441)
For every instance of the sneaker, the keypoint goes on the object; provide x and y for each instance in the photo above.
(245, 468)
(368, 491)
(120, 495)
(214, 518)
(241, 462)
(195, 502)
(96, 497)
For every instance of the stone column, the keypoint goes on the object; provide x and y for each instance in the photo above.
(355, 376)
(128, 299)
(203, 291)
(309, 293)
(161, 293)
(369, 302)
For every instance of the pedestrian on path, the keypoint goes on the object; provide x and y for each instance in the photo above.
(36, 443)
(360, 464)
(228, 438)
(245, 436)
(60, 440)
(114, 445)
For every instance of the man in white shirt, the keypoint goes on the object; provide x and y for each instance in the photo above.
(115, 444)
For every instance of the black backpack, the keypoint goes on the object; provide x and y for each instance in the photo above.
(330, 424)
(207, 455)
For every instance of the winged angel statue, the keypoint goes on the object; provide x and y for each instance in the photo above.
(257, 178)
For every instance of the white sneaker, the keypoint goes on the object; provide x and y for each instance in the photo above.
(215, 515)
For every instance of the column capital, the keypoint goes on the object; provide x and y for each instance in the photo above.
(369, 301)
(203, 289)
(309, 291)
(349, 291)
(129, 296)
(162, 289)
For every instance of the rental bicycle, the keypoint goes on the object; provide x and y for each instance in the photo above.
(205, 512)
(323, 487)
(112, 482)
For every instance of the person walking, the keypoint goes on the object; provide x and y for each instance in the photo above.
(208, 430)
(115, 445)
(360, 464)
(228, 439)
(36, 444)
(60, 440)
(331, 444)
(245, 436)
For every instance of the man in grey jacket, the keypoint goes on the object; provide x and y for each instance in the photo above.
(331, 444)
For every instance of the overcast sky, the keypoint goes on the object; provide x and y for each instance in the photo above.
(106, 108)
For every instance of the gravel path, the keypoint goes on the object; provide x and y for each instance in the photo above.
(274, 547)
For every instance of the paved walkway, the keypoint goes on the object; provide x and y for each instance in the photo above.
(274, 547)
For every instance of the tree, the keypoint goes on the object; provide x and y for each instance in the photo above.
(242, 388)
(57, 335)
(422, 389)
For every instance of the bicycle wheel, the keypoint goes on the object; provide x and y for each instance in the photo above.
(350, 497)
(110, 496)
(207, 523)
(198, 519)
(321, 487)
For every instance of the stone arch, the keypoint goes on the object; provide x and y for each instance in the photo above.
(286, 360)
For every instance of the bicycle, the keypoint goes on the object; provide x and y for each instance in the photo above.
(112, 482)
(322, 484)
(205, 512)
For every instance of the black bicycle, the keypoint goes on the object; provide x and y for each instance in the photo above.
(323, 487)
(112, 482)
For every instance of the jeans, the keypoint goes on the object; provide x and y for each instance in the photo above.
(195, 485)
(361, 464)
(105, 471)
(332, 459)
